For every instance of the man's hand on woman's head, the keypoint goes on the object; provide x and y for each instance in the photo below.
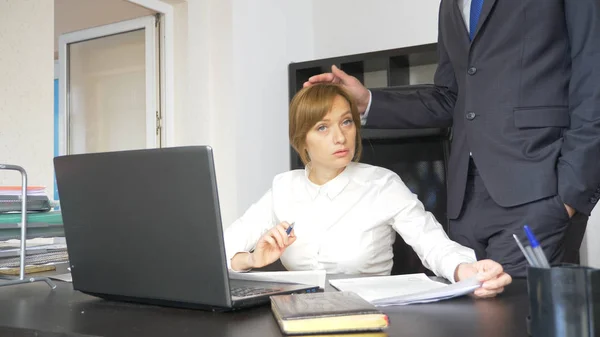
(361, 95)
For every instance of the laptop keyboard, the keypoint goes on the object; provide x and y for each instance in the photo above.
(246, 291)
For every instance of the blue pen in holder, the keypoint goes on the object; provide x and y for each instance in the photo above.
(563, 301)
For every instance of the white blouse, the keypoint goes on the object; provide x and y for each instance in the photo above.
(347, 225)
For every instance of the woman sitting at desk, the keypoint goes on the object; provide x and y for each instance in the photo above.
(344, 213)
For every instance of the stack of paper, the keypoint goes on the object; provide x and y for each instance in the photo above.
(309, 277)
(403, 289)
(11, 248)
(16, 190)
(11, 199)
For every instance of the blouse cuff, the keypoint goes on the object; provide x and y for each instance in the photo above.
(237, 271)
(452, 262)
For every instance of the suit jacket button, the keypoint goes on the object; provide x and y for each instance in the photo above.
(593, 200)
(472, 71)
(470, 115)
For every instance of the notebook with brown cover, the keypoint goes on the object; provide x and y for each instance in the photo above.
(326, 312)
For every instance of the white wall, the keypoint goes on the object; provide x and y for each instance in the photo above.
(207, 100)
(266, 39)
(26, 90)
(344, 27)
(238, 53)
(181, 68)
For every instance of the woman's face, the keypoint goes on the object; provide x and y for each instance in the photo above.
(331, 142)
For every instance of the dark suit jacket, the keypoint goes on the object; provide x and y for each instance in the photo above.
(523, 97)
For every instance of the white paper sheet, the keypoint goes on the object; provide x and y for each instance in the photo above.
(309, 277)
(403, 289)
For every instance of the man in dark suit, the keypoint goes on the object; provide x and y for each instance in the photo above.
(519, 82)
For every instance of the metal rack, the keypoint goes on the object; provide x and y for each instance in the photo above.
(22, 278)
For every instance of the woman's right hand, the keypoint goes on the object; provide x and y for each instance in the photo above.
(271, 245)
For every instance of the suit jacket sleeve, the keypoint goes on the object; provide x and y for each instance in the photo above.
(422, 106)
(578, 166)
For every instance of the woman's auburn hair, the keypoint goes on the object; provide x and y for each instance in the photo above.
(309, 106)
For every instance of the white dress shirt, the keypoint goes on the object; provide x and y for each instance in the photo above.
(465, 9)
(347, 225)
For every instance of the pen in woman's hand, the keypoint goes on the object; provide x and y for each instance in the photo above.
(289, 229)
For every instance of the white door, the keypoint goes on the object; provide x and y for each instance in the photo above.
(109, 88)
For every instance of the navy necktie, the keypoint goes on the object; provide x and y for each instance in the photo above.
(474, 16)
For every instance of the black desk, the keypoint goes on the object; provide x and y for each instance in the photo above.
(28, 309)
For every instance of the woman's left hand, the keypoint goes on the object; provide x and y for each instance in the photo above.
(489, 272)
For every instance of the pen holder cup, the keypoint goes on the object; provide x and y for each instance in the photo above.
(563, 301)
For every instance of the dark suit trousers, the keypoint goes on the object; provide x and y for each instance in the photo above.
(487, 227)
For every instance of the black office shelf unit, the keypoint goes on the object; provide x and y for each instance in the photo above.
(395, 62)
(387, 69)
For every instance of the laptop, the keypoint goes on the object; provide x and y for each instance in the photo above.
(145, 226)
